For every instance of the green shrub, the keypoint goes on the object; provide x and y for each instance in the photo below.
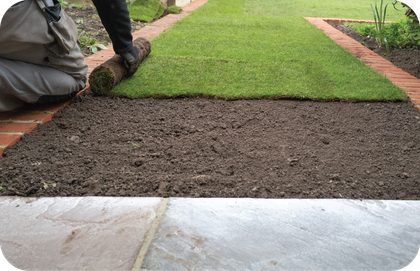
(396, 33)
(174, 10)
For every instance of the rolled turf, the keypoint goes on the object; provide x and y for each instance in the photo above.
(107, 75)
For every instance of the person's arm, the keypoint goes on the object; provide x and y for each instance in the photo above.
(116, 20)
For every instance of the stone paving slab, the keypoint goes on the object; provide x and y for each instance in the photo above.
(90, 233)
(285, 234)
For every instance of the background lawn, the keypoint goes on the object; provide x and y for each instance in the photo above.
(223, 49)
(350, 9)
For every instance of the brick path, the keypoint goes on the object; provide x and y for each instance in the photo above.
(13, 125)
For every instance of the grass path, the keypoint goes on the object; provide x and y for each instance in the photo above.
(232, 49)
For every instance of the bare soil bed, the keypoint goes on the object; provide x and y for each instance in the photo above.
(213, 148)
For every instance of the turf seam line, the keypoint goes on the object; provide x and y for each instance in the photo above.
(361, 51)
(150, 235)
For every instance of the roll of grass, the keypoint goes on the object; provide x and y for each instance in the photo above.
(107, 75)
(174, 10)
(146, 10)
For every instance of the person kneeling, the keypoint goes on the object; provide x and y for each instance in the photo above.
(40, 60)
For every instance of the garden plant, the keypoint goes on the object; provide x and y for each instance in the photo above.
(379, 14)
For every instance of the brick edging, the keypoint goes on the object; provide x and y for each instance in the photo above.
(408, 83)
(341, 20)
(14, 124)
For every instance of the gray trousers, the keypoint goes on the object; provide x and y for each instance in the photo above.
(40, 61)
(22, 82)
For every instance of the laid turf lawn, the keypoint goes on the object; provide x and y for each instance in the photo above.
(221, 50)
(174, 9)
(145, 10)
(351, 9)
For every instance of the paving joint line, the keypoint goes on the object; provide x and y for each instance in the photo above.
(12, 133)
(150, 235)
(21, 121)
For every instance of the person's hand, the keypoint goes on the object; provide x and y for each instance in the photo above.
(131, 61)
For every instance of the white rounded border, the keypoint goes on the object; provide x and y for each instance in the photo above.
(5, 5)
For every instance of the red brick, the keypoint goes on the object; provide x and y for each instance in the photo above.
(95, 58)
(405, 80)
(95, 63)
(401, 76)
(410, 85)
(26, 116)
(9, 139)
(3, 114)
(391, 71)
(414, 96)
(415, 102)
(17, 127)
(44, 107)
(413, 90)
(380, 66)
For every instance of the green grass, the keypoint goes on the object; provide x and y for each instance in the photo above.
(145, 10)
(221, 51)
(174, 9)
(351, 9)
(228, 79)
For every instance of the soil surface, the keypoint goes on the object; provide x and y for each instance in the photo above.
(405, 59)
(213, 148)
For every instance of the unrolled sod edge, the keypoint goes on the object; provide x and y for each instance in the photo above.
(107, 75)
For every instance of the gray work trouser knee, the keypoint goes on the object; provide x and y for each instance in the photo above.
(25, 82)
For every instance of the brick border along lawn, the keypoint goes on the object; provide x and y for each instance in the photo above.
(13, 125)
